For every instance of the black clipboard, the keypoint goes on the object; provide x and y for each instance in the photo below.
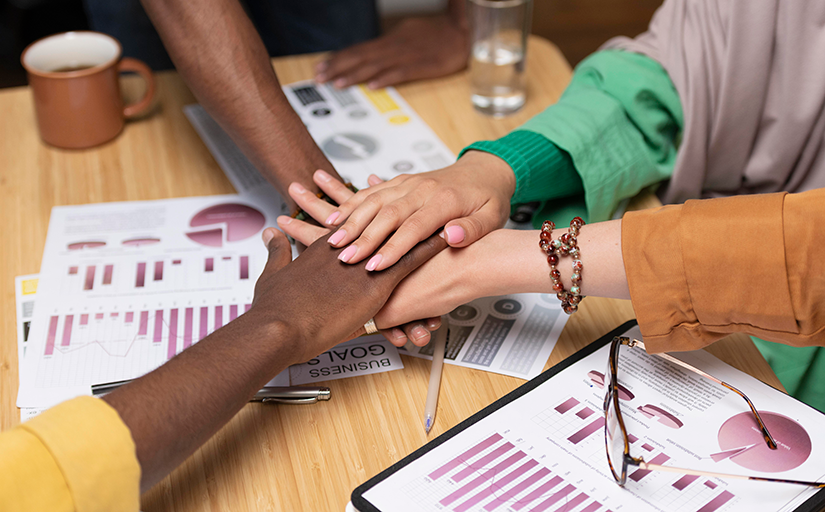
(814, 504)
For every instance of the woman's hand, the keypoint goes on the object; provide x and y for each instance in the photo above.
(470, 199)
(455, 276)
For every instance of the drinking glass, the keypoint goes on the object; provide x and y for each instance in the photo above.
(499, 31)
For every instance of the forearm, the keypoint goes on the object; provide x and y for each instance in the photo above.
(218, 52)
(178, 407)
(520, 266)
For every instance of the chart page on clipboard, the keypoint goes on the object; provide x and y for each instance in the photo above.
(546, 450)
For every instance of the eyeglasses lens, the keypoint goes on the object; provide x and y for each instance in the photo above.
(614, 439)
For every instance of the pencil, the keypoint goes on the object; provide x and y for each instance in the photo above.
(435, 373)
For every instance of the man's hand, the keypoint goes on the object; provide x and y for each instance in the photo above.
(416, 49)
(300, 310)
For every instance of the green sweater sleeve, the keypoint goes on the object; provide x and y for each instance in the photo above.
(618, 123)
(542, 170)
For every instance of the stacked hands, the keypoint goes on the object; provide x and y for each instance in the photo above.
(469, 199)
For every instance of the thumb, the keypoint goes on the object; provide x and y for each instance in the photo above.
(463, 232)
(280, 254)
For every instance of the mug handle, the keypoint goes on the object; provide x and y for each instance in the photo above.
(130, 64)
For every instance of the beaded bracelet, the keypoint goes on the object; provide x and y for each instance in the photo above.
(566, 244)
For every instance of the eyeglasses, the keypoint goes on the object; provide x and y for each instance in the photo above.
(617, 441)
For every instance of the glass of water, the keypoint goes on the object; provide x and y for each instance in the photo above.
(499, 45)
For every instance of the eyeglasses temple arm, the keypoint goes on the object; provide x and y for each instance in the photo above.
(684, 471)
(765, 433)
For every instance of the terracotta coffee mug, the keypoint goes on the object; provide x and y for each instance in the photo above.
(75, 79)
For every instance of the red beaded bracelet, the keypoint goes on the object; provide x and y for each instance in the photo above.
(566, 244)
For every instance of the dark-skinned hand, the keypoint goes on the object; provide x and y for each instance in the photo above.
(416, 49)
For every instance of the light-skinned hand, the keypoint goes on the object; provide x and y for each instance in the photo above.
(469, 199)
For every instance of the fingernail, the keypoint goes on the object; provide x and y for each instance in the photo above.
(373, 262)
(320, 77)
(348, 253)
(398, 334)
(336, 238)
(322, 175)
(373, 85)
(341, 83)
(332, 218)
(321, 66)
(267, 235)
(418, 332)
(284, 219)
(298, 187)
(441, 234)
(433, 323)
(455, 234)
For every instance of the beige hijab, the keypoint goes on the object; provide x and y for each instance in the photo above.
(751, 78)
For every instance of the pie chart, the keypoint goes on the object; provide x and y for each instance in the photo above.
(138, 242)
(598, 380)
(741, 441)
(238, 220)
(661, 415)
(92, 244)
(350, 146)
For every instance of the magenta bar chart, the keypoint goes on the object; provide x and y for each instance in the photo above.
(495, 474)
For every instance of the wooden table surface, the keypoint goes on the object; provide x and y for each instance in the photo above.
(274, 457)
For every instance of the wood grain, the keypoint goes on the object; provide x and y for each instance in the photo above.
(273, 457)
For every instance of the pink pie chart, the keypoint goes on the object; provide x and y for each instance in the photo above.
(741, 441)
(241, 222)
(662, 416)
(92, 244)
(598, 380)
(139, 242)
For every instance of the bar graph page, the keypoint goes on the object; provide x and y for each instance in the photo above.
(545, 451)
(125, 287)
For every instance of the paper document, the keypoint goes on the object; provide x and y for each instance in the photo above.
(362, 132)
(124, 287)
(25, 293)
(512, 334)
(545, 451)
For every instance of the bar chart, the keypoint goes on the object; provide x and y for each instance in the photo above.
(158, 274)
(495, 474)
(95, 347)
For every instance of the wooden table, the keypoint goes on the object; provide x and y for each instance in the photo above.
(274, 457)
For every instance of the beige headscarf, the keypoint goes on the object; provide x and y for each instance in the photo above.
(751, 78)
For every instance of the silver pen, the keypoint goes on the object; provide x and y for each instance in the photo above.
(281, 395)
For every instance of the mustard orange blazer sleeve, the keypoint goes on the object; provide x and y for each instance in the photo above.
(705, 269)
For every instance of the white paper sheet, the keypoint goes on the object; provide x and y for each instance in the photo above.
(124, 287)
(511, 334)
(546, 450)
(25, 294)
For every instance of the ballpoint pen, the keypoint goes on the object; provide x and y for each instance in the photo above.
(281, 395)
(435, 373)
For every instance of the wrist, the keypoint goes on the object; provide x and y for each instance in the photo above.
(496, 172)
(280, 340)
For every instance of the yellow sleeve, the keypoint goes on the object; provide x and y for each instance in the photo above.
(700, 271)
(77, 456)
